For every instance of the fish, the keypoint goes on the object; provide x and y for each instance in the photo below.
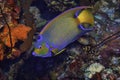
(63, 30)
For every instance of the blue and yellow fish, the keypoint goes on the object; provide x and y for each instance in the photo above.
(63, 30)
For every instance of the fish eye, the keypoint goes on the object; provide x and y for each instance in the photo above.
(40, 47)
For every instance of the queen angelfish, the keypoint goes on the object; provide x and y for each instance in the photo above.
(63, 30)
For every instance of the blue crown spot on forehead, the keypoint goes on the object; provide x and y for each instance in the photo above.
(39, 38)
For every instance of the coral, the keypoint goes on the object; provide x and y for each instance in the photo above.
(11, 30)
(15, 53)
(100, 59)
(77, 60)
(108, 74)
(113, 47)
(10, 10)
(1, 52)
(93, 69)
(18, 32)
(59, 6)
(35, 11)
(21, 34)
(37, 16)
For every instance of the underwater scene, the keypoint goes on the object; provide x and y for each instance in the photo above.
(59, 39)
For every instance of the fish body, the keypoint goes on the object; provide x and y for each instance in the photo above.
(62, 30)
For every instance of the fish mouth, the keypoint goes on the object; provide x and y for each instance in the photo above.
(49, 54)
(37, 54)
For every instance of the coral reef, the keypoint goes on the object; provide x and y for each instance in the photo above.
(62, 5)
(1, 52)
(58, 5)
(18, 32)
(95, 56)
(105, 53)
(11, 29)
(37, 16)
(93, 69)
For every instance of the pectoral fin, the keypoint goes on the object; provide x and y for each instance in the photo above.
(56, 51)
